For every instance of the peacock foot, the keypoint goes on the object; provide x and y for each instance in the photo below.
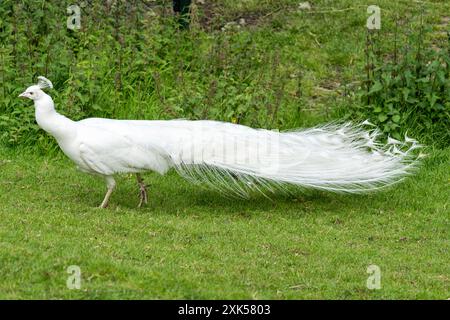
(142, 194)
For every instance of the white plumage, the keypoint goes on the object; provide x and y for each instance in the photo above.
(233, 158)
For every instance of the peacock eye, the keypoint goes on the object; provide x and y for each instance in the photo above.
(31, 93)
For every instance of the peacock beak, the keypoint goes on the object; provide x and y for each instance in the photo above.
(22, 95)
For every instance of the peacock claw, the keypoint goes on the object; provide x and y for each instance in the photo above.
(142, 194)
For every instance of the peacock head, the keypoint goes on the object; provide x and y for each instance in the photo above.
(35, 92)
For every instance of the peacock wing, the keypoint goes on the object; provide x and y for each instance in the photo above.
(108, 148)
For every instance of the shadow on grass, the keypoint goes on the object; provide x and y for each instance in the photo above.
(171, 194)
(178, 196)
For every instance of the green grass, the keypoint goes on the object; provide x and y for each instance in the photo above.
(193, 243)
(190, 242)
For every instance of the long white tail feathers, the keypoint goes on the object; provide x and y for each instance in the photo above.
(238, 160)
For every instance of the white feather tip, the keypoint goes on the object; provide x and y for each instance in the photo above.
(43, 83)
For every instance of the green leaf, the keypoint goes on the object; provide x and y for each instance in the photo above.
(377, 86)
(377, 109)
(405, 92)
(382, 117)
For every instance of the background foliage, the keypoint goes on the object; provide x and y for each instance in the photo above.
(408, 87)
(265, 64)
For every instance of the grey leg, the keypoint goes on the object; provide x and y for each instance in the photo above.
(142, 190)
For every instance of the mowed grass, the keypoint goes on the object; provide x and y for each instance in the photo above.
(192, 243)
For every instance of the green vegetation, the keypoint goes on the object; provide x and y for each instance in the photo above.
(193, 243)
(275, 66)
(410, 88)
(260, 63)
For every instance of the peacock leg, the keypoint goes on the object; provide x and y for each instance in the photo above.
(142, 190)
(111, 184)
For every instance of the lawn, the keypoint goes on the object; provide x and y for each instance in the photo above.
(192, 243)
(276, 67)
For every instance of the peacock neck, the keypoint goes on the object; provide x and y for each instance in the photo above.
(59, 126)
